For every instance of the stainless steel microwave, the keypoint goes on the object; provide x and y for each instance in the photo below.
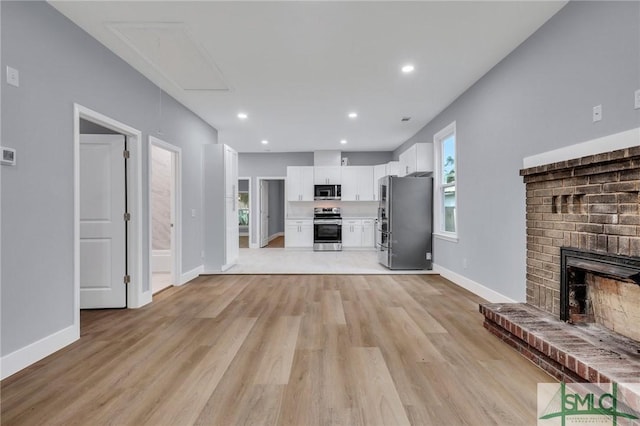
(327, 192)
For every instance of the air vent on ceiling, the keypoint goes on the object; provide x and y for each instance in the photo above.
(405, 119)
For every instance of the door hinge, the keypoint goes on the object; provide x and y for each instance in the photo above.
(127, 279)
(127, 217)
(126, 153)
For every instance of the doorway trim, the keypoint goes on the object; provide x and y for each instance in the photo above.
(259, 179)
(137, 294)
(176, 249)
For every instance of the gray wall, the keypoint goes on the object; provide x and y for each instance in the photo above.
(276, 206)
(537, 99)
(60, 64)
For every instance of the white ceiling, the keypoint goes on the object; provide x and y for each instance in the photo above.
(298, 68)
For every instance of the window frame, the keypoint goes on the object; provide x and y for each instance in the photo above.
(439, 187)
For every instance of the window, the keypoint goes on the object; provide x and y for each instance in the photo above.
(243, 208)
(446, 179)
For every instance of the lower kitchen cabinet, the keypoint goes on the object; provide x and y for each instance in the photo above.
(368, 233)
(298, 233)
(358, 233)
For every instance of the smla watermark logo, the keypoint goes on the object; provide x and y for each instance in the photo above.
(578, 404)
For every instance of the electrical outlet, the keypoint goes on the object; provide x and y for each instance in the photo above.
(13, 77)
(597, 113)
(637, 99)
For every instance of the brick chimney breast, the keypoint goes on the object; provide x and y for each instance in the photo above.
(589, 203)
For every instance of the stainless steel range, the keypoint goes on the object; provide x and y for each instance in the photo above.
(327, 229)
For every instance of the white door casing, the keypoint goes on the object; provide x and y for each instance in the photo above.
(264, 213)
(102, 224)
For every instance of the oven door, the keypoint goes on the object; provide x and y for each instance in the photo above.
(327, 231)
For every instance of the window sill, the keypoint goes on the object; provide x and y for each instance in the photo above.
(446, 237)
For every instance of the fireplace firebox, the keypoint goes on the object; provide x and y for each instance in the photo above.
(576, 302)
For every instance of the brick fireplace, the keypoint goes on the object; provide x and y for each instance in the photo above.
(590, 203)
(582, 271)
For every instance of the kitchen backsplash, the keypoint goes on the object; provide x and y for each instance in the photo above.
(349, 208)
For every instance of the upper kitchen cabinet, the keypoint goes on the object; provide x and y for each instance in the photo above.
(417, 160)
(378, 172)
(357, 183)
(300, 183)
(327, 175)
(393, 168)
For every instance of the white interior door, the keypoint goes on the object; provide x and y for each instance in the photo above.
(102, 225)
(264, 213)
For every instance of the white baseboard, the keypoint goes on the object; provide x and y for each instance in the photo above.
(24, 357)
(254, 245)
(478, 289)
(161, 260)
(189, 275)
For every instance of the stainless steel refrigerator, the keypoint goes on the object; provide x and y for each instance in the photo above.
(405, 222)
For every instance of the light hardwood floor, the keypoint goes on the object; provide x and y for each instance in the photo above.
(283, 349)
(277, 242)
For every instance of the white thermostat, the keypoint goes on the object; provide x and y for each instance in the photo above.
(8, 156)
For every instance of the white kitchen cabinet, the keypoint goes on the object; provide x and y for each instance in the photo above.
(378, 172)
(230, 172)
(393, 168)
(357, 183)
(358, 233)
(232, 231)
(417, 159)
(351, 233)
(220, 210)
(300, 183)
(298, 233)
(368, 233)
(327, 175)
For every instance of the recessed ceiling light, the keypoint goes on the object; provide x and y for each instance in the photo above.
(353, 114)
(265, 142)
(242, 115)
(408, 68)
(343, 141)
